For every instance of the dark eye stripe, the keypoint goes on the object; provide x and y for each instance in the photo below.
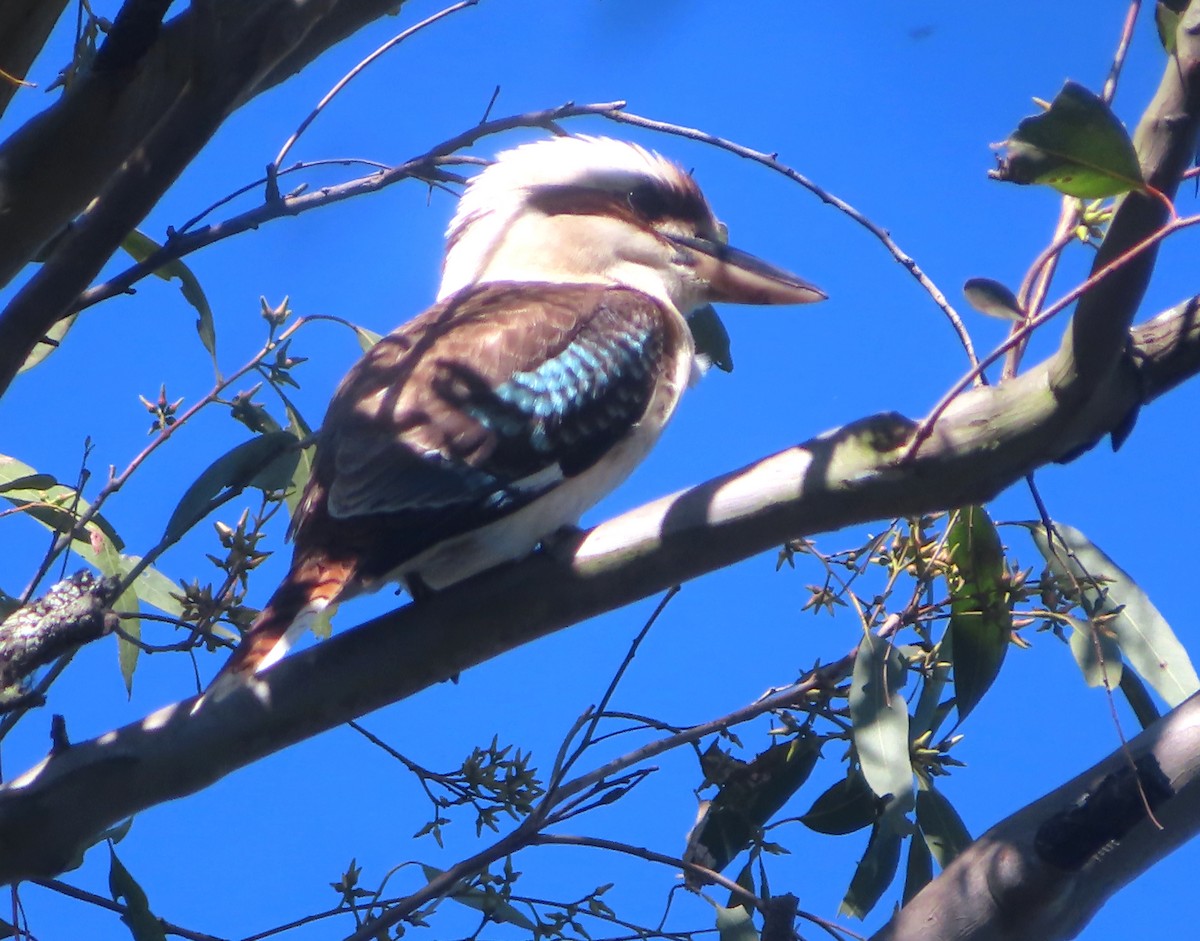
(647, 201)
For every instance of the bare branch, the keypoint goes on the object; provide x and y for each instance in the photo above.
(143, 126)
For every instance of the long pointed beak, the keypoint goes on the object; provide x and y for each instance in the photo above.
(739, 278)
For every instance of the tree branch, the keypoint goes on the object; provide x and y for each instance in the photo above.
(1166, 144)
(989, 438)
(1045, 871)
(143, 124)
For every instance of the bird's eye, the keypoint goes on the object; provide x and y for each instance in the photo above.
(649, 202)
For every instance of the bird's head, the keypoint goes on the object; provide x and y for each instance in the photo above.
(600, 211)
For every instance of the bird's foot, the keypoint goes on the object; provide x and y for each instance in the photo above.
(562, 544)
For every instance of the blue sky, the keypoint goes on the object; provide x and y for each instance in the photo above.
(892, 109)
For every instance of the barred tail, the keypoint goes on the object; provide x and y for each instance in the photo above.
(314, 582)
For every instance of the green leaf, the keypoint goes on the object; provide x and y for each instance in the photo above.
(919, 871)
(711, 337)
(1139, 700)
(847, 806)
(1078, 147)
(49, 342)
(945, 833)
(1166, 21)
(489, 903)
(747, 800)
(993, 298)
(1096, 652)
(142, 923)
(1143, 634)
(154, 588)
(266, 462)
(55, 506)
(111, 562)
(735, 924)
(980, 608)
(880, 717)
(29, 482)
(299, 427)
(366, 338)
(874, 873)
(141, 247)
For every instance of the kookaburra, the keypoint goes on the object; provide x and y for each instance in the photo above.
(556, 352)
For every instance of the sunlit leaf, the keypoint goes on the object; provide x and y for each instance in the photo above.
(1096, 652)
(55, 506)
(847, 806)
(918, 873)
(142, 923)
(993, 298)
(735, 924)
(874, 873)
(367, 338)
(489, 903)
(880, 716)
(1166, 22)
(980, 609)
(1109, 594)
(945, 833)
(1078, 146)
(266, 462)
(747, 800)
(141, 247)
(49, 342)
(711, 337)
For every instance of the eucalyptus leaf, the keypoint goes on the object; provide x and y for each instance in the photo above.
(735, 924)
(1109, 593)
(747, 800)
(49, 342)
(366, 338)
(847, 806)
(874, 873)
(1078, 146)
(880, 717)
(489, 903)
(142, 923)
(1139, 699)
(711, 337)
(1096, 652)
(918, 873)
(55, 506)
(945, 833)
(980, 607)
(993, 298)
(141, 247)
(1166, 22)
(266, 462)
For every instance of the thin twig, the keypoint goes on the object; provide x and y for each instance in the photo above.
(70, 891)
(1114, 72)
(429, 166)
(925, 429)
(772, 161)
(354, 72)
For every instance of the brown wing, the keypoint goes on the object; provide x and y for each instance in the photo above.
(475, 408)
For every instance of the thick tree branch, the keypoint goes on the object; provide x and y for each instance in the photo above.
(988, 439)
(24, 28)
(1046, 870)
(143, 122)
